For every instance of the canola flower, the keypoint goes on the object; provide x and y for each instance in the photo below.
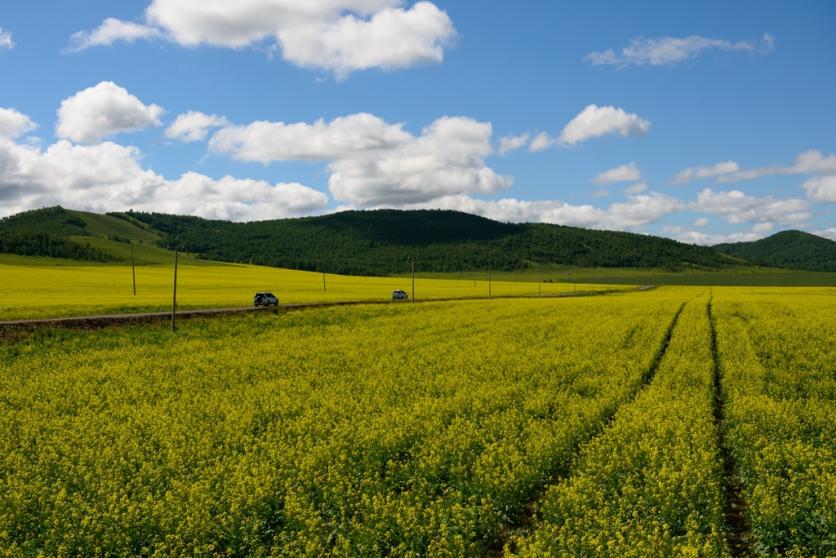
(43, 291)
(407, 430)
(650, 484)
(778, 357)
(426, 430)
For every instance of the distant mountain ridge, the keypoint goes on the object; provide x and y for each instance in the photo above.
(791, 249)
(382, 242)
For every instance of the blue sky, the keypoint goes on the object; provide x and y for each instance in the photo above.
(389, 103)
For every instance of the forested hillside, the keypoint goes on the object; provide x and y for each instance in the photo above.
(790, 249)
(384, 241)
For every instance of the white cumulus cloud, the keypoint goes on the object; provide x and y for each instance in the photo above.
(372, 162)
(632, 214)
(636, 188)
(341, 36)
(705, 172)
(6, 41)
(541, 142)
(14, 124)
(109, 177)
(194, 126)
(392, 38)
(264, 141)
(811, 161)
(112, 30)
(669, 51)
(512, 143)
(821, 188)
(737, 207)
(621, 173)
(682, 234)
(104, 110)
(595, 121)
(829, 232)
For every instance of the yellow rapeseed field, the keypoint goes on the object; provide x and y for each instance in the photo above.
(531, 427)
(34, 291)
(777, 350)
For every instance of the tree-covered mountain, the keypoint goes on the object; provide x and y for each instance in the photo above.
(790, 249)
(384, 241)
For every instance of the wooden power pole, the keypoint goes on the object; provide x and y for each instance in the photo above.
(490, 293)
(133, 268)
(174, 295)
(413, 278)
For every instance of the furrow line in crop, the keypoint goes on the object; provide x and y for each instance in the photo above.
(523, 523)
(739, 532)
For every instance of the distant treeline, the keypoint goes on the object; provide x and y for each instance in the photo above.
(40, 244)
(383, 242)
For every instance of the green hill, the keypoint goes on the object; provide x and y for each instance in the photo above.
(82, 236)
(383, 241)
(789, 249)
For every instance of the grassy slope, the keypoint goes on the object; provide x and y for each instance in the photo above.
(107, 225)
(105, 233)
(110, 234)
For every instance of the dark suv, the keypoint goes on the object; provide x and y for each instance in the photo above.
(399, 295)
(265, 299)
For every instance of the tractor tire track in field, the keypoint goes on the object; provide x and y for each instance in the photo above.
(739, 532)
(523, 523)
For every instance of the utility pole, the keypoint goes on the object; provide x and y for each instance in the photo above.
(539, 288)
(490, 294)
(133, 267)
(174, 295)
(413, 278)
